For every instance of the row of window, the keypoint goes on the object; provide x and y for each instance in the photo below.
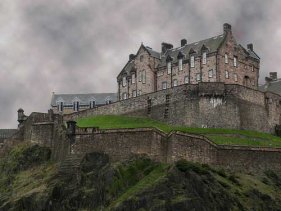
(141, 78)
(134, 94)
(76, 105)
(234, 60)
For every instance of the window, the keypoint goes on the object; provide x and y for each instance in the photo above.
(225, 58)
(169, 67)
(164, 85)
(160, 73)
(76, 106)
(124, 96)
(143, 76)
(210, 73)
(139, 93)
(192, 61)
(226, 74)
(92, 104)
(235, 61)
(133, 78)
(235, 77)
(252, 68)
(141, 58)
(198, 77)
(186, 80)
(175, 82)
(124, 81)
(60, 106)
(107, 101)
(204, 58)
(140, 76)
(134, 93)
(180, 64)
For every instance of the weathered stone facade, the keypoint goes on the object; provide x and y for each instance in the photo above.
(217, 59)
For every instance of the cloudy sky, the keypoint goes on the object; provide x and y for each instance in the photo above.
(78, 46)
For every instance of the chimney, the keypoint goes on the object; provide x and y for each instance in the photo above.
(131, 57)
(183, 42)
(226, 28)
(250, 46)
(273, 75)
(165, 47)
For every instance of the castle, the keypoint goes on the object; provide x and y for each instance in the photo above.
(216, 59)
(212, 84)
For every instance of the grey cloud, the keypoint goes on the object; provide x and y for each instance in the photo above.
(81, 46)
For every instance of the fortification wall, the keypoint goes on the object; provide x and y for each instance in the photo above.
(214, 105)
(123, 143)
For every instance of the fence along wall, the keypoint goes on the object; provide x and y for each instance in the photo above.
(123, 143)
(201, 105)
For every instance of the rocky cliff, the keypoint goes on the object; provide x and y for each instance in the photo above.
(30, 181)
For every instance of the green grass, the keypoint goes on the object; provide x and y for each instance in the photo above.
(219, 136)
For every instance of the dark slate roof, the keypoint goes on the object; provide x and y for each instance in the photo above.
(84, 99)
(7, 133)
(212, 44)
(152, 52)
(273, 86)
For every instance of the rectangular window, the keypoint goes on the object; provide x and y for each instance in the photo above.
(198, 77)
(124, 82)
(180, 64)
(210, 73)
(92, 104)
(124, 96)
(164, 85)
(204, 58)
(143, 76)
(192, 61)
(186, 80)
(226, 74)
(235, 61)
(60, 106)
(134, 93)
(252, 68)
(169, 67)
(139, 92)
(225, 58)
(235, 77)
(140, 76)
(175, 82)
(133, 78)
(76, 106)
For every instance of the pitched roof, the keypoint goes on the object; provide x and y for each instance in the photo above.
(152, 52)
(84, 99)
(7, 133)
(273, 86)
(212, 44)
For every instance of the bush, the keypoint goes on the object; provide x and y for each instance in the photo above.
(186, 166)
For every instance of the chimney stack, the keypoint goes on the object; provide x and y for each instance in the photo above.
(226, 28)
(250, 46)
(165, 47)
(183, 42)
(273, 75)
(131, 57)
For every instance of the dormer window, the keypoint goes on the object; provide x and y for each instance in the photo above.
(204, 58)
(76, 105)
(107, 101)
(124, 81)
(180, 64)
(192, 61)
(235, 61)
(225, 58)
(133, 78)
(169, 67)
(92, 103)
(60, 106)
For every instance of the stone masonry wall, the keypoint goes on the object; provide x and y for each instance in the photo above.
(123, 143)
(213, 105)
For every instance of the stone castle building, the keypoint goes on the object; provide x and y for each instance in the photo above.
(69, 103)
(216, 59)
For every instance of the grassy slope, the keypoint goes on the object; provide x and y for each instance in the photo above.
(218, 135)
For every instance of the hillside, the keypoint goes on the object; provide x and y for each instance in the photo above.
(219, 136)
(30, 181)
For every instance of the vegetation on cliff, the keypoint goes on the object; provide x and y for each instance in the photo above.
(30, 181)
(217, 135)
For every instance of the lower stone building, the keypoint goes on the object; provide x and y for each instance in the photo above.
(6, 133)
(69, 103)
(272, 84)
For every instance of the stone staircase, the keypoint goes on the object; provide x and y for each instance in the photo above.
(70, 165)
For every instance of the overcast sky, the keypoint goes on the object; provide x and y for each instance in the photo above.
(78, 46)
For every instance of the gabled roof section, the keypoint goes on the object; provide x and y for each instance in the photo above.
(212, 44)
(152, 52)
(84, 99)
(273, 86)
